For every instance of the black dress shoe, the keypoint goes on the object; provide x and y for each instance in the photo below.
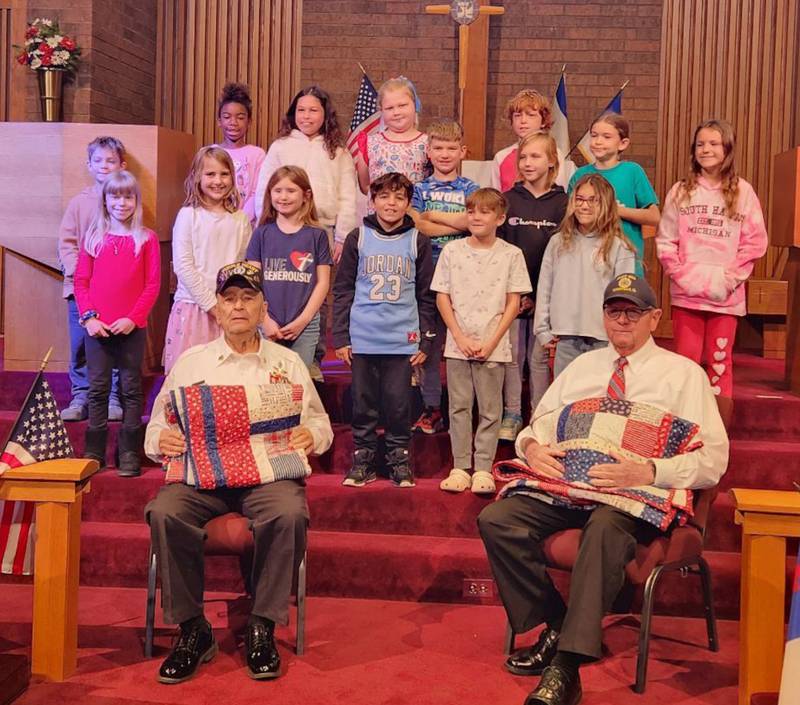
(194, 646)
(557, 687)
(532, 661)
(263, 660)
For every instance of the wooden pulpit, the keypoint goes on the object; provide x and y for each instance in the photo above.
(785, 232)
(43, 167)
(57, 487)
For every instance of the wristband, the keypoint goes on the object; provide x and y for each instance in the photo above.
(87, 316)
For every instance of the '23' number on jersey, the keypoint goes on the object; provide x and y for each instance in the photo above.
(385, 287)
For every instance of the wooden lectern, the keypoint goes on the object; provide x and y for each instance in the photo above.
(43, 167)
(57, 487)
(785, 230)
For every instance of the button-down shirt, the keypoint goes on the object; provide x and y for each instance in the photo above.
(217, 363)
(652, 376)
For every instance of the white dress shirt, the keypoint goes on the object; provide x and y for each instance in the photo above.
(653, 376)
(217, 363)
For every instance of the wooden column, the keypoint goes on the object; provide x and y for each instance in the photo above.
(475, 90)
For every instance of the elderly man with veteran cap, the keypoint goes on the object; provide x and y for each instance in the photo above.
(632, 381)
(256, 392)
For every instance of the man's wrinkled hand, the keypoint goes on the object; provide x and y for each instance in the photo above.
(301, 439)
(624, 473)
(544, 459)
(171, 443)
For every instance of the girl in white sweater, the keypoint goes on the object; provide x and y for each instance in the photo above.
(310, 138)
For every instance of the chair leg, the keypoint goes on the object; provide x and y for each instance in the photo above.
(708, 603)
(150, 615)
(301, 608)
(510, 638)
(644, 630)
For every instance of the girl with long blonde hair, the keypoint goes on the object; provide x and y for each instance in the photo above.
(581, 259)
(116, 285)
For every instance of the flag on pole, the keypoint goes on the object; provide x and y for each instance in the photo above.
(614, 106)
(790, 678)
(560, 128)
(38, 434)
(366, 115)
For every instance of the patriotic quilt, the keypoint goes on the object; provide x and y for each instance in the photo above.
(236, 435)
(589, 431)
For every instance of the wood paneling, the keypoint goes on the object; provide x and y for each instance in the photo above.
(737, 60)
(12, 76)
(204, 43)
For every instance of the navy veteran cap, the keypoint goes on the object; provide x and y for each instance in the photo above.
(241, 274)
(631, 288)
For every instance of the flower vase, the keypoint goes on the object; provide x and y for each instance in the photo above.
(51, 90)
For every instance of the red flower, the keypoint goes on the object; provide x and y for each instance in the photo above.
(67, 43)
(46, 59)
(31, 32)
(45, 48)
(22, 58)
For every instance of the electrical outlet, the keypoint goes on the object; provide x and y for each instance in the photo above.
(480, 588)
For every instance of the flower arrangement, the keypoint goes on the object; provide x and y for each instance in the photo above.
(47, 48)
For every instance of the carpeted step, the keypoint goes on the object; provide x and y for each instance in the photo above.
(377, 508)
(399, 567)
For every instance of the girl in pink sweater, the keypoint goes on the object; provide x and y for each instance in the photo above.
(710, 235)
(116, 285)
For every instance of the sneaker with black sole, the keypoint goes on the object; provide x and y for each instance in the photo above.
(510, 427)
(361, 472)
(399, 468)
(76, 411)
(429, 422)
(194, 645)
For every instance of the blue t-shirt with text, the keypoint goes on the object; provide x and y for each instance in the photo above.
(431, 194)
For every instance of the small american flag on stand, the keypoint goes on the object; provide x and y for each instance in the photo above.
(366, 116)
(39, 434)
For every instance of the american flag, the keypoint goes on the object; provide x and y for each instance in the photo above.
(366, 116)
(39, 434)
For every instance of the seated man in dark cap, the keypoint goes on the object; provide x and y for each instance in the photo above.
(233, 425)
(605, 402)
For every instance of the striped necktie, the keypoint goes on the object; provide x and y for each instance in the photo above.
(616, 385)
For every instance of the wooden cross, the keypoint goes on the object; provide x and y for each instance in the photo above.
(473, 62)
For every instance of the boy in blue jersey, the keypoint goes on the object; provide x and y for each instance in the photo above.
(383, 324)
(439, 210)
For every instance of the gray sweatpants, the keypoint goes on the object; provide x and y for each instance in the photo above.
(467, 379)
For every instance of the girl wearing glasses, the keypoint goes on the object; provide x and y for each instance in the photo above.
(587, 252)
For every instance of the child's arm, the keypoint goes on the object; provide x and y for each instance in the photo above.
(541, 316)
(753, 241)
(509, 314)
(469, 347)
(249, 204)
(68, 247)
(426, 226)
(640, 216)
(426, 299)
(344, 291)
(268, 166)
(455, 222)
(668, 235)
(183, 261)
(83, 275)
(625, 262)
(137, 318)
(292, 329)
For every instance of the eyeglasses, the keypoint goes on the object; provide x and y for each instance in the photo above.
(591, 201)
(631, 314)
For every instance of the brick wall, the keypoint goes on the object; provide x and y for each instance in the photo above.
(116, 79)
(603, 43)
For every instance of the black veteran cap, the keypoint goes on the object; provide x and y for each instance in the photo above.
(631, 288)
(241, 274)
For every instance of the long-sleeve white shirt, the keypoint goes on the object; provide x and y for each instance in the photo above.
(217, 363)
(202, 243)
(653, 376)
(333, 181)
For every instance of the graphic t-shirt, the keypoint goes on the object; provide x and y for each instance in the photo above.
(289, 262)
(445, 197)
(633, 190)
(246, 162)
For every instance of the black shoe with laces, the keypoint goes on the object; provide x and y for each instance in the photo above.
(399, 468)
(194, 645)
(361, 472)
(558, 686)
(532, 661)
(263, 659)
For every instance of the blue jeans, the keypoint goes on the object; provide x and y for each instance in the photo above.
(78, 376)
(571, 346)
(305, 344)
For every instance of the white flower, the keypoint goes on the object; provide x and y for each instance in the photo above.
(53, 41)
(36, 63)
(47, 23)
(30, 41)
(60, 58)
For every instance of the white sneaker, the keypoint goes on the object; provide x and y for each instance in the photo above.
(510, 427)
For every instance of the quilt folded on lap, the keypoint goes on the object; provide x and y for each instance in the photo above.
(236, 435)
(589, 431)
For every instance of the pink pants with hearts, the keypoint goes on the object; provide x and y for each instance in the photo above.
(707, 338)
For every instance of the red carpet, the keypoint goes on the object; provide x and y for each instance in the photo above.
(366, 652)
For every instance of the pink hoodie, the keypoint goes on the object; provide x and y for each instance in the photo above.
(707, 254)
